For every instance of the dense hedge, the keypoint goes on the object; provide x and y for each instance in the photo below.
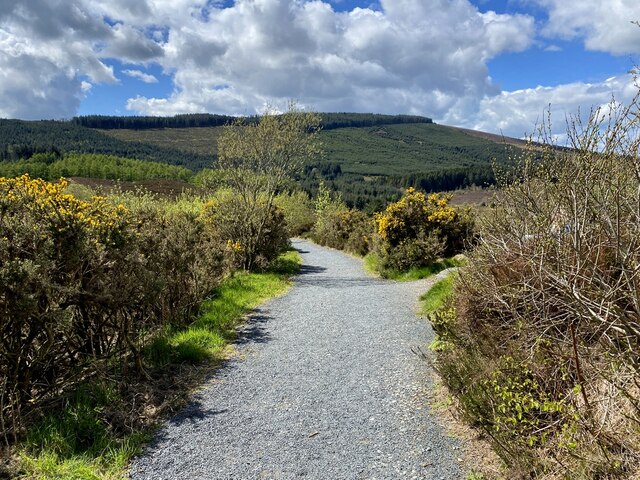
(541, 342)
(86, 284)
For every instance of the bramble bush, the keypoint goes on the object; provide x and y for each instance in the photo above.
(541, 343)
(418, 229)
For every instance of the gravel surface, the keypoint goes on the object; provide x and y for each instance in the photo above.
(324, 386)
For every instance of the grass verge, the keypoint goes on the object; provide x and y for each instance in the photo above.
(437, 295)
(372, 265)
(93, 433)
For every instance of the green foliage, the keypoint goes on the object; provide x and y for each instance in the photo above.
(84, 283)
(74, 441)
(259, 159)
(377, 155)
(417, 230)
(189, 120)
(541, 345)
(92, 166)
(422, 147)
(81, 439)
(417, 273)
(298, 211)
(20, 140)
(255, 233)
(437, 295)
(340, 227)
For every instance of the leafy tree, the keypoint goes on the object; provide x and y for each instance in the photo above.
(259, 158)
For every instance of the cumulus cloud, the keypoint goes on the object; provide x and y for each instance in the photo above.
(425, 57)
(52, 94)
(49, 46)
(143, 77)
(409, 56)
(604, 26)
(518, 113)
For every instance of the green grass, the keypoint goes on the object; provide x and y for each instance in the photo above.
(76, 443)
(79, 442)
(436, 296)
(372, 265)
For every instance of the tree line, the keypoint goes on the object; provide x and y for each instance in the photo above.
(328, 121)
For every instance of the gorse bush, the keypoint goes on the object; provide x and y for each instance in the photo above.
(57, 254)
(418, 229)
(86, 282)
(542, 346)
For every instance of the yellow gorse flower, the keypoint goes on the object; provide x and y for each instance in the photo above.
(417, 210)
(61, 211)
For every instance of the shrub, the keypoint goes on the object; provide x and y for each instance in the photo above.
(255, 233)
(340, 227)
(84, 283)
(544, 339)
(417, 229)
(298, 212)
(65, 269)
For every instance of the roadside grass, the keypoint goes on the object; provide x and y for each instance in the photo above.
(372, 265)
(98, 429)
(435, 298)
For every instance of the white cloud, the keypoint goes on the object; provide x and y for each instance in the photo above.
(50, 94)
(603, 25)
(409, 56)
(48, 46)
(143, 77)
(425, 57)
(518, 113)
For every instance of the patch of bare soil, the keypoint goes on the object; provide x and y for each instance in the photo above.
(163, 187)
(479, 196)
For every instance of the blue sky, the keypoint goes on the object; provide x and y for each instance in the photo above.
(484, 64)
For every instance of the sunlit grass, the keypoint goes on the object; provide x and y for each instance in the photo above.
(372, 265)
(437, 295)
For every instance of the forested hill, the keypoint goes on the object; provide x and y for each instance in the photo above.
(330, 121)
(370, 158)
(22, 139)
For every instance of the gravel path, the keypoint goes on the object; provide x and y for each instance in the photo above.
(324, 386)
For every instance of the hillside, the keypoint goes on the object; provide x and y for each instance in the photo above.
(369, 158)
(369, 165)
(21, 139)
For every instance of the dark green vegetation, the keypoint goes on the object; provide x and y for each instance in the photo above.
(107, 301)
(20, 140)
(369, 158)
(329, 121)
(413, 238)
(93, 433)
(103, 303)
